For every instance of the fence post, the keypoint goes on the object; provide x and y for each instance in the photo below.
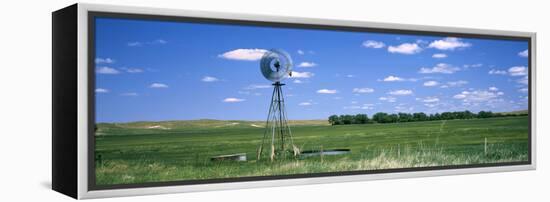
(398, 151)
(322, 154)
(485, 146)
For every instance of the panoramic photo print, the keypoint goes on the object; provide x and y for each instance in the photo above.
(183, 101)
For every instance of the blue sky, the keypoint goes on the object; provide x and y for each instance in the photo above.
(155, 70)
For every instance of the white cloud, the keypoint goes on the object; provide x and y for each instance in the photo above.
(403, 108)
(129, 94)
(460, 96)
(134, 44)
(420, 41)
(232, 99)
(302, 74)
(523, 90)
(430, 99)
(524, 80)
(300, 52)
(154, 42)
(388, 99)
(101, 90)
(431, 83)
(104, 61)
(524, 53)
(431, 105)
(257, 86)
(350, 75)
(363, 90)
(305, 104)
(517, 71)
(406, 48)
(492, 88)
(132, 70)
(439, 55)
(401, 92)
(158, 85)
(367, 106)
(209, 79)
(393, 78)
(449, 43)
(373, 44)
(352, 107)
(298, 81)
(327, 91)
(472, 65)
(107, 70)
(439, 68)
(244, 54)
(499, 72)
(307, 64)
(364, 106)
(457, 83)
(476, 96)
(159, 41)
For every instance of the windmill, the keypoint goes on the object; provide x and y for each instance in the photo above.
(276, 65)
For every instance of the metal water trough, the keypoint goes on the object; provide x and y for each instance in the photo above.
(230, 157)
(310, 153)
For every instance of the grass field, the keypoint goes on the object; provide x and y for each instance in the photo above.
(141, 152)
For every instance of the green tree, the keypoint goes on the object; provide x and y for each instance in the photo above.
(447, 116)
(334, 120)
(392, 118)
(437, 116)
(347, 119)
(458, 115)
(484, 114)
(361, 118)
(420, 116)
(468, 115)
(405, 117)
(379, 117)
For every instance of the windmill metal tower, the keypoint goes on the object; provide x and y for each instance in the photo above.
(276, 65)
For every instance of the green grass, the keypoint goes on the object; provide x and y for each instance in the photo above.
(180, 150)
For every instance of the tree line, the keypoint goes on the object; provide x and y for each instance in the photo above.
(382, 117)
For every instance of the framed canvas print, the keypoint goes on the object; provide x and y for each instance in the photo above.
(151, 101)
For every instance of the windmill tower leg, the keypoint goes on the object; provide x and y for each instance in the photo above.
(288, 141)
(277, 131)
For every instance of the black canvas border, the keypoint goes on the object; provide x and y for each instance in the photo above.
(64, 101)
